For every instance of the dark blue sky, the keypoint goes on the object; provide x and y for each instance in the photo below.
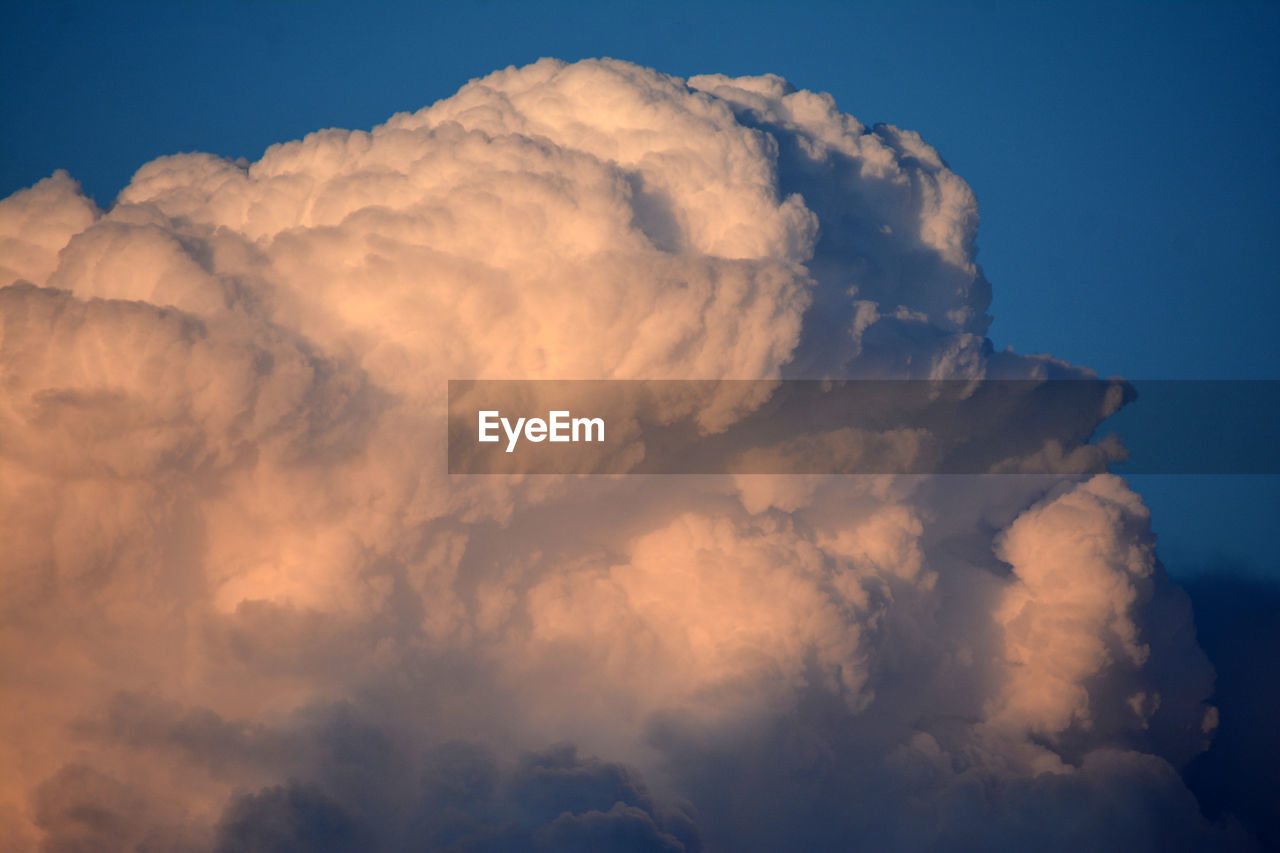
(1124, 156)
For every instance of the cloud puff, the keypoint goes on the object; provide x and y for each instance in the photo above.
(245, 608)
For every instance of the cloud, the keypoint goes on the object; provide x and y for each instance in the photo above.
(246, 608)
(552, 800)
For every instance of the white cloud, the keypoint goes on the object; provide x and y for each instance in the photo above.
(223, 487)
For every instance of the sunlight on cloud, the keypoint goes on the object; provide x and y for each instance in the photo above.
(243, 598)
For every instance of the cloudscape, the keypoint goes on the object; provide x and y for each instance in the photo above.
(246, 607)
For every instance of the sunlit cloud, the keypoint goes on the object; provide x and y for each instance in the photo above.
(246, 606)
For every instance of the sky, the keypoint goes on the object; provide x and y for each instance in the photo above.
(1119, 152)
(245, 608)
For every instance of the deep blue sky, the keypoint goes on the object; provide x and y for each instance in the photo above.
(1124, 156)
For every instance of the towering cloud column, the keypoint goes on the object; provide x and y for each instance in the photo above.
(246, 608)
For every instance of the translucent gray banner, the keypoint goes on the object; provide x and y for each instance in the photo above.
(1059, 427)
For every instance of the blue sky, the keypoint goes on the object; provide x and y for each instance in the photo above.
(1123, 155)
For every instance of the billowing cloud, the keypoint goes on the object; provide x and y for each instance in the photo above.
(246, 608)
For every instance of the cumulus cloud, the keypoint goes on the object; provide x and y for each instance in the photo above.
(246, 608)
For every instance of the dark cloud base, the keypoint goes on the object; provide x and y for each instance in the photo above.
(1239, 775)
